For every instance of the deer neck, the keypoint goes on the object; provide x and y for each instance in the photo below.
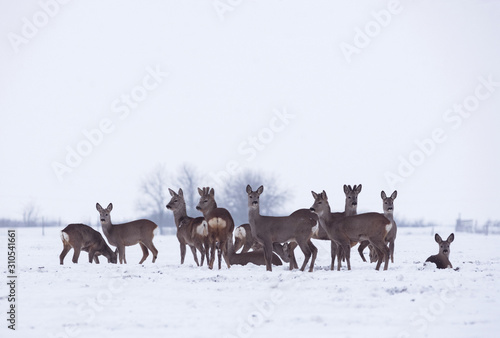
(326, 215)
(208, 210)
(180, 214)
(350, 210)
(253, 214)
(389, 216)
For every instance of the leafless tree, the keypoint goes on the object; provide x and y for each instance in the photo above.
(235, 199)
(189, 180)
(30, 214)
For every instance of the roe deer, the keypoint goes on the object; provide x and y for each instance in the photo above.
(268, 230)
(190, 231)
(82, 237)
(255, 257)
(127, 234)
(243, 238)
(442, 260)
(372, 227)
(388, 206)
(220, 226)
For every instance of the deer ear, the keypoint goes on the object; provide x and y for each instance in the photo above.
(200, 192)
(315, 196)
(394, 194)
(110, 207)
(249, 189)
(212, 192)
(260, 190)
(172, 193)
(346, 189)
(438, 238)
(450, 238)
(324, 195)
(383, 195)
(358, 189)
(98, 207)
(181, 193)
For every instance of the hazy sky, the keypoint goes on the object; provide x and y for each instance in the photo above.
(93, 95)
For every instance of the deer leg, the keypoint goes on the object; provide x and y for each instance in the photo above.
(391, 249)
(268, 255)
(183, 252)
(64, 252)
(361, 247)
(91, 255)
(206, 245)
(219, 254)
(333, 253)
(374, 253)
(314, 251)
(307, 253)
(145, 253)
(121, 254)
(346, 247)
(291, 258)
(149, 244)
(76, 254)
(96, 259)
(200, 248)
(225, 254)
(212, 254)
(195, 256)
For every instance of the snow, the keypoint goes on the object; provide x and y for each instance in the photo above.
(173, 300)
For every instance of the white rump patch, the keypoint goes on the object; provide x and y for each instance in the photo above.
(64, 237)
(217, 223)
(202, 229)
(240, 233)
(315, 229)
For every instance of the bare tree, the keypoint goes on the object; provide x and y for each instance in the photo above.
(154, 196)
(235, 199)
(189, 180)
(30, 214)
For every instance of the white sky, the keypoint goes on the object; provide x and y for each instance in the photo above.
(352, 122)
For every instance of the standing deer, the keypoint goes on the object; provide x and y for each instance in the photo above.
(82, 237)
(126, 234)
(220, 226)
(388, 206)
(442, 260)
(268, 230)
(190, 231)
(372, 227)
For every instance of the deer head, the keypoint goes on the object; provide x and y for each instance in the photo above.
(444, 246)
(207, 199)
(388, 201)
(352, 195)
(320, 205)
(105, 213)
(177, 201)
(253, 197)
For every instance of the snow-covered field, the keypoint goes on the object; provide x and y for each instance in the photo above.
(172, 300)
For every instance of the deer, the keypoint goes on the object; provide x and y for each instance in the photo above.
(220, 226)
(270, 229)
(372, 227)
(442, 259)
(190, 231)
(255, 257)
(388, 207)
(82, 237)
(243, 238)
(126, 234)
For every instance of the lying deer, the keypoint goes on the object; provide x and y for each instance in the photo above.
(121, 235)
(220, 226)
(190, 231)
(268, 230)
(243, 238)
(372, 227)
(255, 257)
(82, 237)
(388, 206)
(442, 260)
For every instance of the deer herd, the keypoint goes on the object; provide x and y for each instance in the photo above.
(264, 240)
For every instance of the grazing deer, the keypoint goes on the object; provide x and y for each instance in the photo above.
(388, 206)
(190, 231)
(126, 234)
(372, 227)
(220, 226)
(442, 260)
(268, 230)
(82, 237)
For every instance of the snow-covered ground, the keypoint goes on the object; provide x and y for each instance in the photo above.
(172, 300)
